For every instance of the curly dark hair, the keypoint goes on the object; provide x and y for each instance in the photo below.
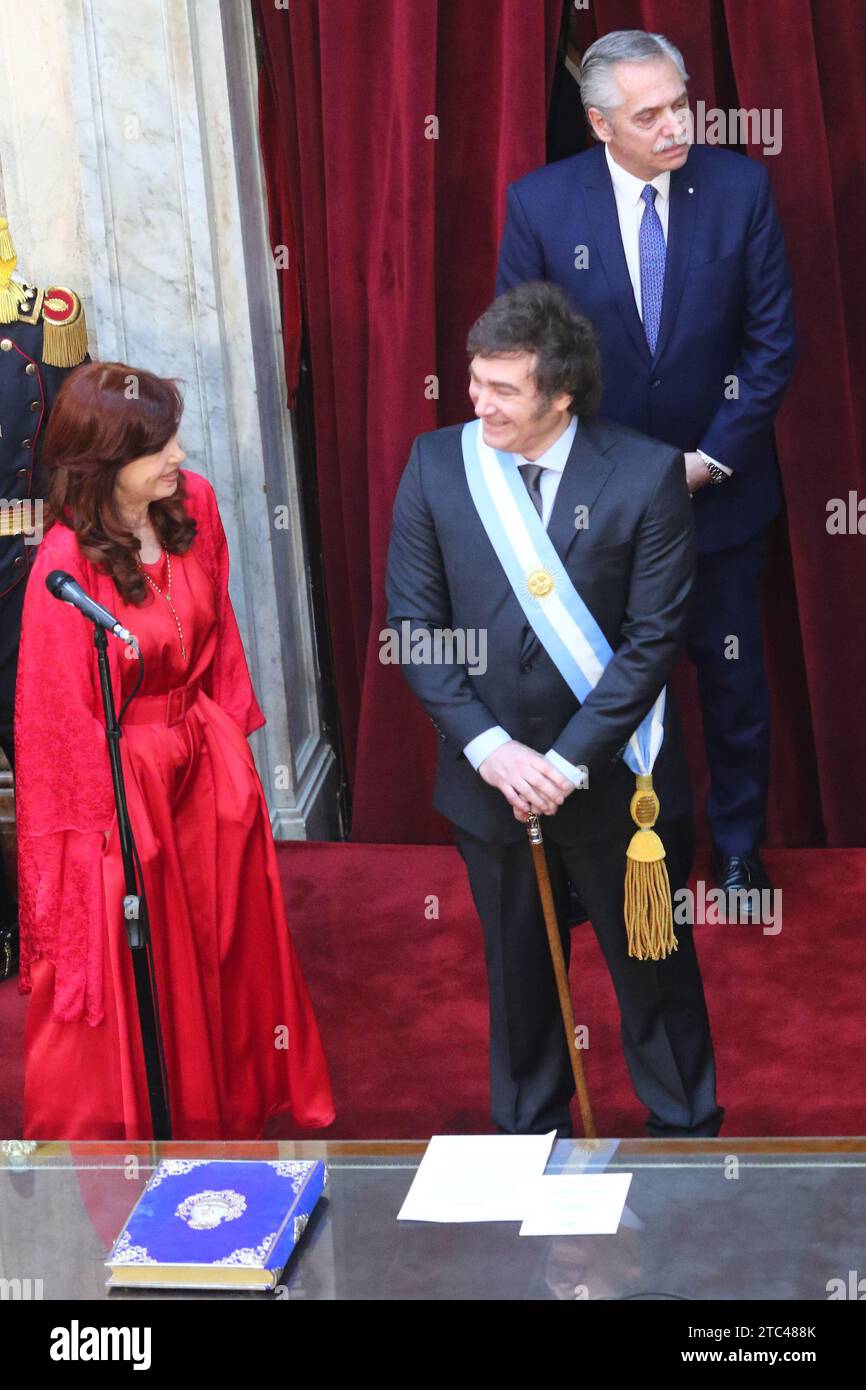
(538, 317)
(99, 424)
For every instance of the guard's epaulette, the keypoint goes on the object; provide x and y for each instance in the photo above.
(64, 330)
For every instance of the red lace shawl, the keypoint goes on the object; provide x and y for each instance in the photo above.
(64, 797)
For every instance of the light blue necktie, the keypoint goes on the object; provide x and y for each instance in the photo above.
(651, 242)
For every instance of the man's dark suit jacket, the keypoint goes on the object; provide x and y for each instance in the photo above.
(632, 564)
(727, 309)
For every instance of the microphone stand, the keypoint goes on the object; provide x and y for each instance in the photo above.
(135, 914)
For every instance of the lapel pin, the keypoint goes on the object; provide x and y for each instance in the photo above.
(691, 190)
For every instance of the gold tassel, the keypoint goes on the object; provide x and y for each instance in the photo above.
(7, 250)
(648, 910)
(11, 293)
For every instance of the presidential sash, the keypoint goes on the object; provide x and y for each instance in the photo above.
(580, 651)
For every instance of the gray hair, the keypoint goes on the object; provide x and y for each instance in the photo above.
(622, 46)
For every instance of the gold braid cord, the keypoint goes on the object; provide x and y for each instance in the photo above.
(11, 294)
(648, 910)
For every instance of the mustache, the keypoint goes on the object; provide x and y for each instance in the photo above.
(681, 138)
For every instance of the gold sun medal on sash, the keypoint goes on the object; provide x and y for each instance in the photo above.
(540, 583)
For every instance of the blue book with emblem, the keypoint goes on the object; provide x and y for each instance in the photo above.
(209, 1223)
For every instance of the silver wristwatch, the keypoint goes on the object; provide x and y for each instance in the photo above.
(717, 474)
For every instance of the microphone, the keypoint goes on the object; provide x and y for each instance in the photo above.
(68, 590)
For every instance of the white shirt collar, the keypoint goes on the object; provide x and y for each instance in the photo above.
(631, 187)
(556, 456)
(573, 68)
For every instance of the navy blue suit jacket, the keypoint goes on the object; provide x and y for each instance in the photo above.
(727, 311)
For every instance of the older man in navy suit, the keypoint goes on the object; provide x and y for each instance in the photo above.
(675, 252)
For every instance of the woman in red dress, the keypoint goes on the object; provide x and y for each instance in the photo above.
(144, 538)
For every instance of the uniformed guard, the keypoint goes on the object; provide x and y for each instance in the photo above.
(43, 336)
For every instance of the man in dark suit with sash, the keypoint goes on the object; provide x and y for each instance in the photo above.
(676, 254)
(582, 571)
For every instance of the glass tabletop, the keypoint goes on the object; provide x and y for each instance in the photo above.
(753, 1219)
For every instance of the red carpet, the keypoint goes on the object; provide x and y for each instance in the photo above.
(400, 998)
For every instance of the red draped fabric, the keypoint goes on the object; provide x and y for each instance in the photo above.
(406, 119)
(280, 192)
(390, 131)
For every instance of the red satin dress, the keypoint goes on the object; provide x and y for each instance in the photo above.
(241, 1042)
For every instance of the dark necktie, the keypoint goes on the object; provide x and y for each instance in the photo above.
(531, 475)
(653, 252)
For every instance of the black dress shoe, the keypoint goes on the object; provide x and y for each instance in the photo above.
(707, 1129)
(741, 873)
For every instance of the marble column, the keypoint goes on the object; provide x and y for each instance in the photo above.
(130, 171)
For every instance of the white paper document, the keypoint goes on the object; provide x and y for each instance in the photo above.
(486, 1177)
(583, 1204)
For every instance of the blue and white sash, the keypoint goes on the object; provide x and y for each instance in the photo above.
(560, 619)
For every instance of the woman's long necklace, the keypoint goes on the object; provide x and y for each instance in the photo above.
(167, 596)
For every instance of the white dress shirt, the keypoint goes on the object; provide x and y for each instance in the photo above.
(630, 208)
(553, 461)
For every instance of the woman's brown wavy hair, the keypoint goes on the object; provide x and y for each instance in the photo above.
(107, 414)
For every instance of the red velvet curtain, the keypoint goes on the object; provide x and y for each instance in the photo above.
(397, 200)
(390, 129)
